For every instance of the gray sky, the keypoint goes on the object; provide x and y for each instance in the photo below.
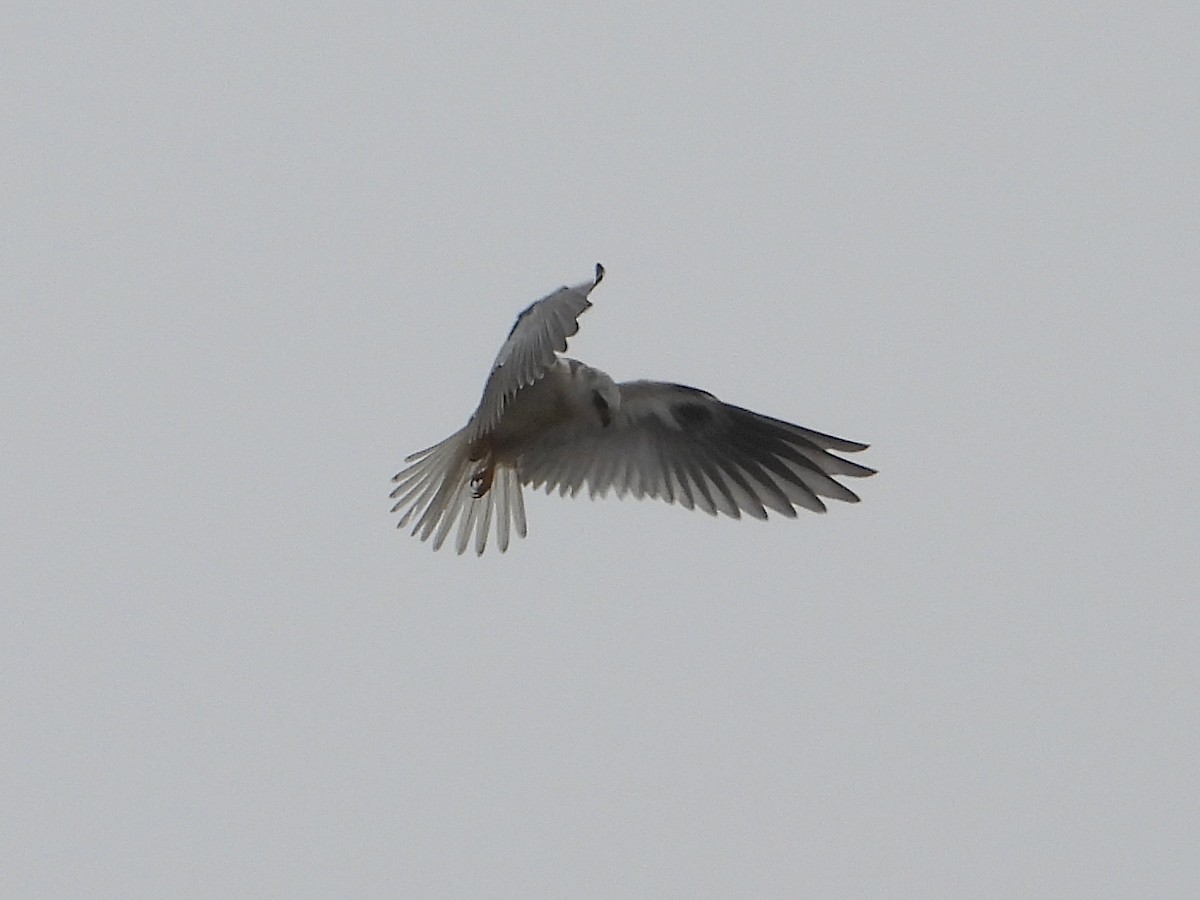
(253, 256)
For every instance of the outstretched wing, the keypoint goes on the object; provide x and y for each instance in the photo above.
(539, 334)
(685, 446)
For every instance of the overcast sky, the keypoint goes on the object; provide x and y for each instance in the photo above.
(255, 254)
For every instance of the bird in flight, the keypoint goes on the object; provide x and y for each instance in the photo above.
(549, 421)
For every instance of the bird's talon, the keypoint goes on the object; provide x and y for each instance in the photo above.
(481, 483)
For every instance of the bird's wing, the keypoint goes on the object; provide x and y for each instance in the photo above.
(538, 335)
(685, 446)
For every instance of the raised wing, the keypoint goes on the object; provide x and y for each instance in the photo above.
(685, 446)
(539, 334)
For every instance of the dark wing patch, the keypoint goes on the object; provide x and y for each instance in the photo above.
(684, 446)
(690, 415)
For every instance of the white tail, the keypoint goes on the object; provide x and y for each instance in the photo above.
(435, 490)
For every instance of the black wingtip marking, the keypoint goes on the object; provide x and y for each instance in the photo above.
(599, 274)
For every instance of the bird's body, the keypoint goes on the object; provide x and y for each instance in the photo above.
(547, 420)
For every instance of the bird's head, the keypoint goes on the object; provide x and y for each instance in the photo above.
(594, 391)
(602, 394)
(606, 400)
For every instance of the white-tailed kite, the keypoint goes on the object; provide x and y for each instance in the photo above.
(546, 420)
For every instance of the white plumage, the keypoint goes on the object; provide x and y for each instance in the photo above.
(553, 422)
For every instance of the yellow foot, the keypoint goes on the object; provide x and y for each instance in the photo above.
(481, 481)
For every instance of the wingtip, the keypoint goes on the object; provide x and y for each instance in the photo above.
(599, 274)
